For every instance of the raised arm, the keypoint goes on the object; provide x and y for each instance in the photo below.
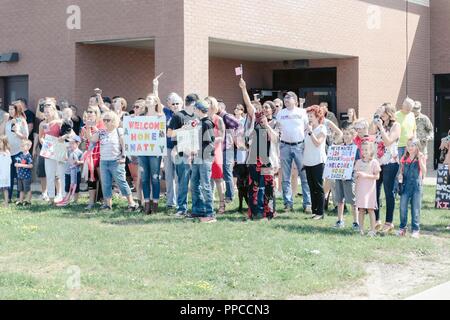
(392, 136)
(156, 85)
(248, 103)
(337, 132)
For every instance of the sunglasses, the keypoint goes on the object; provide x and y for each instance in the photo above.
(107, 120)
(90, 111)
(136, 107)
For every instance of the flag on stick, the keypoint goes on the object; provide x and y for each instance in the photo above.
(239, 71)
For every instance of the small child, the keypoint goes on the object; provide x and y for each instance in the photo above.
(345, 189)
(5, 172)
(24, 164)
(73, 171)
(367, 172)
(413, 169)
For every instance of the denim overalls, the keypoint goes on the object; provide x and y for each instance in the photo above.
(412, 193)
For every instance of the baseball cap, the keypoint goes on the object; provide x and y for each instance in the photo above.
(417, 106)
(202, 105)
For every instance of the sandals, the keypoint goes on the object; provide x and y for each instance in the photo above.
(222, 208)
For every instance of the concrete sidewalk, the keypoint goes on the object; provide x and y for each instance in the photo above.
(441, 292)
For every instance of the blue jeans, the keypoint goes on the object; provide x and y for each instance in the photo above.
(183, 169)
(151, 176)
(228, 163)
(110, 170)
(202, 197)
(13, 176)
(388, 177)
(169, 169)
(289, 154)
(412, 196)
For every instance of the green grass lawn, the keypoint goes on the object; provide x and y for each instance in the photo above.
(131, 256)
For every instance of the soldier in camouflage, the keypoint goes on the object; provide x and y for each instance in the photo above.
(425, 130)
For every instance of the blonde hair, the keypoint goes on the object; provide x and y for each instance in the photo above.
(97, 112)
(158, 107)
(213, 104)
(27, 143)
(52, 102)
(355, 115)
(123, 103)
(4, 144)
(361, 122)
(114, 118)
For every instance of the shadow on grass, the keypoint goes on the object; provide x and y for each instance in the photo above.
(309, 229)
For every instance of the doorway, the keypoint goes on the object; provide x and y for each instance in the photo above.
(14, 88)
(314, 84)
(442, 112)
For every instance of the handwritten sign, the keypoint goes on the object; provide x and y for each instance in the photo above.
(340, 162)
(188, 140)
(145, 136)
(53, 149)
(443, 187)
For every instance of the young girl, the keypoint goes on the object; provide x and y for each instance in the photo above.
(367, 172)
(413, 169)
(5, 162)
(72, 172)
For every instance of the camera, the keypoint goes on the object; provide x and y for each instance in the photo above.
(41, 107)
(376, 118)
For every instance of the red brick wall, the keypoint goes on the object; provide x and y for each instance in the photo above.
(117, 71)
(440, 36)
(322, 26)
(37, 30)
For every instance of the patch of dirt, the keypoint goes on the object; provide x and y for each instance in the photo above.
(392, 281)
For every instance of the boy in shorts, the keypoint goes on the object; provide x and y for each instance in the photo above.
(345, 189)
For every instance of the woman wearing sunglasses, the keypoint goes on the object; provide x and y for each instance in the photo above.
(112, 161)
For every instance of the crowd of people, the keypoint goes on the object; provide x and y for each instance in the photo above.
(264, 150)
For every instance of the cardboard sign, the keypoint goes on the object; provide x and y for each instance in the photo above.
(443, 187)
(145, 136)
(340, 162)
(188, 140)
(53, 149)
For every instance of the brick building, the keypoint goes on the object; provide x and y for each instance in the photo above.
(351, 53)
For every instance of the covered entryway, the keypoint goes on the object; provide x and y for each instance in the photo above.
(119, 67)
(271, 71)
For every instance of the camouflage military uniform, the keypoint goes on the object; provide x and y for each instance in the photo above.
(425, 132)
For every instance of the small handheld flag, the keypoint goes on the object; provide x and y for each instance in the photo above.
(239, 71)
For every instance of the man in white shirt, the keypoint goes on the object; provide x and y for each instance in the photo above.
(293, 121)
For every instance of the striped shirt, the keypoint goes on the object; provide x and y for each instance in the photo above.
(110, 147)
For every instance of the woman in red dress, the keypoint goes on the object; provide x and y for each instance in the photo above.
(93, 123)
(217, 166)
